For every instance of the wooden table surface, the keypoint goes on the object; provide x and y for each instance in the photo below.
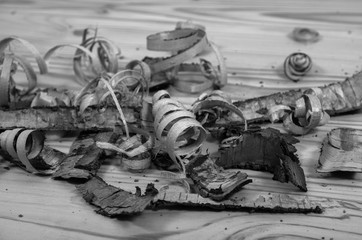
(254, 39)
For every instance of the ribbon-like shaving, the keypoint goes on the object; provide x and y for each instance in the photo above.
(8, 68)
(41, 63)
(176, 128)
(186, 42)
(27, 149)
(135, 151)
(307, 115)
(9, 63)
(108, 53)
(296, 65)
(81, 52)
(211, 106)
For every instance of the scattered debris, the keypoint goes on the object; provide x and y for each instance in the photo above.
(112, 100)
(341, 151)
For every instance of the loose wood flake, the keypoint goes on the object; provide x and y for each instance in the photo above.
(112, 201)
(341, 151)
(84, 156)
(266, 150)
(213, 181)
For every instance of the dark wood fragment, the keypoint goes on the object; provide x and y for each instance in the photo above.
(46, 162)
(112, 201)
(266, 150)
(66, 118)
(84, 157)
(213, 181)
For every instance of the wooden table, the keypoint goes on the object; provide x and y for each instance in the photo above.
(254, 39)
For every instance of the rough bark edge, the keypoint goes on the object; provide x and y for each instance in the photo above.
(114, 202)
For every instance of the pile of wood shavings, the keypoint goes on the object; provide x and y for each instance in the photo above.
(111, 108)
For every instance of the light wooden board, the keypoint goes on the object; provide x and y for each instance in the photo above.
(253, 37)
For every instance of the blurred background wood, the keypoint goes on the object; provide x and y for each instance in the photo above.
(254, 39)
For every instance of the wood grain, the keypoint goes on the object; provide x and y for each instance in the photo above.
(254, 38)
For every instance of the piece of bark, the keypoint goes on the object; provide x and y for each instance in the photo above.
(112, 201)
(46, 162)
(66, 118)
(84, 158)
(335, 98)
(341, 151)
(244, 200)
(266, 150)
(213, 181)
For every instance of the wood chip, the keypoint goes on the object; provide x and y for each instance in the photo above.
(266, 150)
(112, 201)
(341, 151)
(213, 181)
(84, 156)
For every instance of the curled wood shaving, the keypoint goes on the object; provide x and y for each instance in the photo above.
(117, 105)
(308, 114)
(4, 43)
(27, 149)
(186, 42)
(296, 65)
(108, 53)
(8, 67)
(277, 112)
(81, 51)
(216, 101)
(176, 128)
(134, 150)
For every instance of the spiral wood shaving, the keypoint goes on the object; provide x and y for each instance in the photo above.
(27, 149)
(297, 65)
(176, 128)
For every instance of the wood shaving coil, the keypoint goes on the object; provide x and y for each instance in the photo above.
(176, 128)
(296, 65)
(27, 149)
